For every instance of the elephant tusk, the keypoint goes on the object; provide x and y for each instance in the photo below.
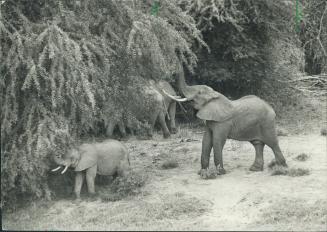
(55, 169)
(176, 98)
(64, 170)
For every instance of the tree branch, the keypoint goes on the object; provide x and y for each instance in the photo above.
(319, 32)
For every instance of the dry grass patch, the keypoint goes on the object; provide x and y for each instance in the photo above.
(159, 213)
(302, 157)
(280, 170)
(170, 163)
(282, 132)
(123, 186)
(303, 213)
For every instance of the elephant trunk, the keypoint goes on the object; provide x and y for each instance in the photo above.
(185, 89)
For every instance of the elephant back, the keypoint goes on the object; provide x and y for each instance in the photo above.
(254, 110)
(112, 156)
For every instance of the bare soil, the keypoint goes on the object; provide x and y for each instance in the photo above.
(176, 198)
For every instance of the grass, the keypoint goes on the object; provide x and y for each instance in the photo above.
(160, 213)
(304, 213)
(211, 173)
(302, 157)
(128, 185)
(282, 132)
(170, 163)
(293, 172)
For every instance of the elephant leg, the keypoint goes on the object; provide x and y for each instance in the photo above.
(122, 129)
(172, 113)
(78, 184)
(258, 162)
(163, 125)
(205, 153)
(152, 121)
(110, 129)
(270, 139)
(280, 160)
(220, 132)
(90, 178)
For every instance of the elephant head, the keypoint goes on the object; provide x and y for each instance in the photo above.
(76, 159)
(210, 104)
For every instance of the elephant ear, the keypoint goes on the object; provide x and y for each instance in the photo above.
(87, 160)
(218, 109)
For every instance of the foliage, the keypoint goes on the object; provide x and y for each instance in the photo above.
(252, 44)
(65, 66)
(314, 36)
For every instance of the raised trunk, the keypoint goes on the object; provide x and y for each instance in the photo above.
(181, 81)
(185, 89)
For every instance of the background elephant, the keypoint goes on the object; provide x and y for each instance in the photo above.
(149, 105)
(246, 119)
(107, 158)
(169, 104)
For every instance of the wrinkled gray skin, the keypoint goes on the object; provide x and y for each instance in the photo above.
(246, 119)
(164, 108)
(106, 158)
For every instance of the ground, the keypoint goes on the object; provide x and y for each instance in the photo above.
(178, 199)
(174, 197)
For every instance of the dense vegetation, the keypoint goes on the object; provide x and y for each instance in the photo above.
(66, 66)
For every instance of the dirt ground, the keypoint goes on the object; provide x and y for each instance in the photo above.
(178, 199)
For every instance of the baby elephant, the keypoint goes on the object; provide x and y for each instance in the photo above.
(106, 158)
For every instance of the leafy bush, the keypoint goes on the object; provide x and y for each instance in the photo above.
(254, 49)
(67, 66)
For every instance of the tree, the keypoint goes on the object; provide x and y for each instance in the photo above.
(65, 65)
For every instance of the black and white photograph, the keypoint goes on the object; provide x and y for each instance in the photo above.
(163, 115)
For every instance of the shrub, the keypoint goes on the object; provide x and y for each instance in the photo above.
(63, 73)
(302, 157)
(168, 164)
(323, 131)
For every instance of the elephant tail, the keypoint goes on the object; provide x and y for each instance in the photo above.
(129, 163)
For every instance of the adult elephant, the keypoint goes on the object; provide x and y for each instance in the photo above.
(106, 158)
(169, 104)
(149, 105)
(246, 119)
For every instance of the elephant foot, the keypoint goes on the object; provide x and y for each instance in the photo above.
(256, 167)
(283, 163)
(173, 130)
(77, 200)
(93, 196)
(276, 163)
(204, 173)
(166, 135)
(220, 170)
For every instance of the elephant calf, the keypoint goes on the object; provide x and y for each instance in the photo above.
(106, 158)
